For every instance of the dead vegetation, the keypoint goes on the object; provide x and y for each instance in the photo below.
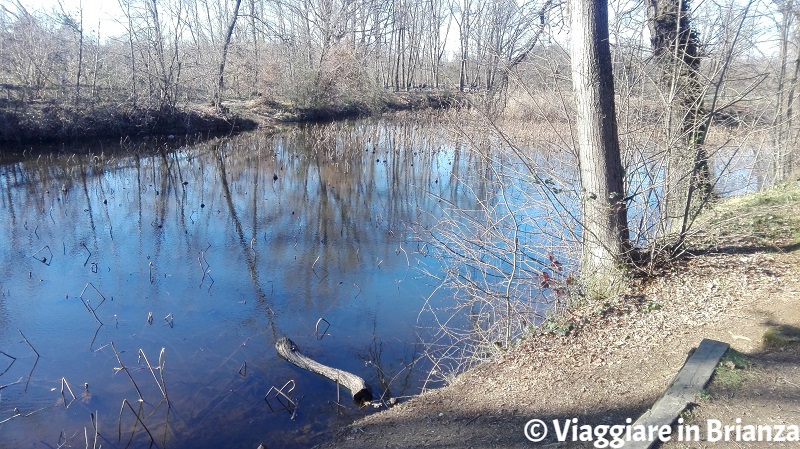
(52, 122)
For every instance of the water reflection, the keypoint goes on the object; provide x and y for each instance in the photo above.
(198, 259)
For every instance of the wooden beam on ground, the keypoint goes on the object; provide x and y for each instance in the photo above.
(357, 386)
(691, 379)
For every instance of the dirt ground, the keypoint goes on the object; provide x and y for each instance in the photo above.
(623, 353)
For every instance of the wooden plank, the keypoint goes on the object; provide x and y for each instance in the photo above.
(697, 370)
(683, 389)
(664, 411)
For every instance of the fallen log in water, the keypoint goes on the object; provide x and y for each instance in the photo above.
(359, 389)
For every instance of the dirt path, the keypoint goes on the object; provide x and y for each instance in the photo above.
(622, 356)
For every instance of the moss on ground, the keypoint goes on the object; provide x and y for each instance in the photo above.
(730, 374)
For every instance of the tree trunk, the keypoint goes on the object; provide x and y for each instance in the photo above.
(80, 55)
(221, 79)
(605, 237)
(785, 134)
(463, 29)
(675, 46)
(792, 132)
(398, 56)
(361, 392)
(129, 17)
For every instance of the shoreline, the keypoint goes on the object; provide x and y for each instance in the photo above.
(55, 123)
(741, 281)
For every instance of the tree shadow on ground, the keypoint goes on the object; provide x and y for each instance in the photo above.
(747, 249)
(488, 428)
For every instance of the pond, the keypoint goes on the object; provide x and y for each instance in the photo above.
(144, 284)
(144, 287)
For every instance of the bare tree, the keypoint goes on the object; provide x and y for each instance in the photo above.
(786, 138)
(77, 26)
(225, 45)
(605, 238)
(513, 31)
(677, 52)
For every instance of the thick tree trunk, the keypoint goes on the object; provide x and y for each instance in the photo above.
(675, 46)
(605, 231)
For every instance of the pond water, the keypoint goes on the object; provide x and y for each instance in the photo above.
(161, 278)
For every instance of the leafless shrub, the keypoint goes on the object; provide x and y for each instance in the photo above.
(502, 252)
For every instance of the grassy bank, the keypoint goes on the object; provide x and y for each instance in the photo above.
(762, 221)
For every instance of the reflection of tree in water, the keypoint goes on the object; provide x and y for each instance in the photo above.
(341, 187)
(8, 180)
(250, 257)
(300, 212)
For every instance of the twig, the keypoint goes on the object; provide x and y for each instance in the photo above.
(19, 381)
(13, 359)
(91, 310)
(44, 260)
(87, 257)
(29, 343)
(408, 262)
(96, 333)
(138, 418)
(11, 417)
(124, 368)
(291, 406)
(96, 426)
(160, 386)
(96, 290)
(206, 269)
(63, 396)
(30, 374)
(324, 333)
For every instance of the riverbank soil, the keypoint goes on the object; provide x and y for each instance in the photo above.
(58, 122)
(268, 112)
(740, 282)
(49, 122)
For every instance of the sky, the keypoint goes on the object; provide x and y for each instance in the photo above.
(106, 13)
